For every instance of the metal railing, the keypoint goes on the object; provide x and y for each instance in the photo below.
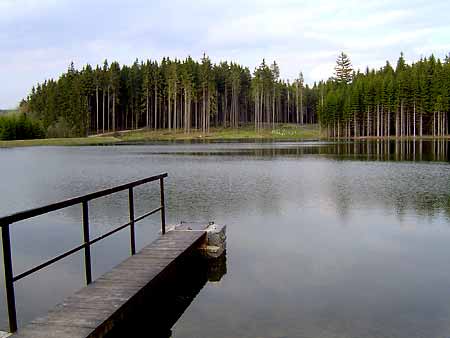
(6, 222)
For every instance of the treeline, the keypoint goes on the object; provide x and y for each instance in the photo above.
(8, 111)
(171, 94)
(20, 127)
(410, 100)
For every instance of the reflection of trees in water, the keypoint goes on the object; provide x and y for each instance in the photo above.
(382, 150)
(400, 186)
(400, 198)
(393, 186)
(436, 150)
(159, 310)
(220, 187)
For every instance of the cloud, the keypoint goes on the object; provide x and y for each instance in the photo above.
(39, 38)
(14, 11)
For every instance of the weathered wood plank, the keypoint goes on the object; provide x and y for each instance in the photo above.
(52, 331)
(90, 312)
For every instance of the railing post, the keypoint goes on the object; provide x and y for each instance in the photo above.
(9, 282)
(163, 207)
(131, 208)
(87, 248)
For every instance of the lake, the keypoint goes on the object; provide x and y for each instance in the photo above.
(324, 239)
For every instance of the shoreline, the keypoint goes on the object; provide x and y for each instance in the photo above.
(283, 132)
(286, 133)
(391, 138)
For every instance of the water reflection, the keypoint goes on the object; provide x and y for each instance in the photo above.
(324, 239)
(159, 310)
(381, 150)
(435, 150)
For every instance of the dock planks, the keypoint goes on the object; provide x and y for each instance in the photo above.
(94, 310)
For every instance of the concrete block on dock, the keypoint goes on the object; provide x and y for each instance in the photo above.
(216, 237)
(216, 240)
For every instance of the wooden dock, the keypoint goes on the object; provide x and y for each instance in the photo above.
(95, 310)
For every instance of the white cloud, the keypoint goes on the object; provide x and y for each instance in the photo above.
(11, 10)
(322, 71)
(38, 38)
(440, 48)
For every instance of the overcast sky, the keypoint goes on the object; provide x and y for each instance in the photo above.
(39, 38)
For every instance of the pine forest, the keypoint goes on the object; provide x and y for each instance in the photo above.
(407, 100)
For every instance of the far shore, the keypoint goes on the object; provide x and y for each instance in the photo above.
(283, 132)
(286, 132)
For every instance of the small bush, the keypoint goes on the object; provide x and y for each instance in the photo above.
(20, 127)
(60, 129)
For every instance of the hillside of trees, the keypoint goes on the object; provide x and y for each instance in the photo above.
(171, 94)
(182, 95)
(408, 100)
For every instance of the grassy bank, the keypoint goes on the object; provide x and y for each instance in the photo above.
(281, 132)
(79, 141)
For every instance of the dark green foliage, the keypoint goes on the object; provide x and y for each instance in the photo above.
(172, 94)
(412, 100)
(20, 127)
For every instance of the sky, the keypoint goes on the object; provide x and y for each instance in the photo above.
(39, 38)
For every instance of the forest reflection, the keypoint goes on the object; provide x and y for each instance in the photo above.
(330, 171)
(371, 217)
(435, 150)
(381, 150)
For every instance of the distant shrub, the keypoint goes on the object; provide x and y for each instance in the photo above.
(61, 129)
(20, 127)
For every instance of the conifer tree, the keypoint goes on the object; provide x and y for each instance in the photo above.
(343, 69)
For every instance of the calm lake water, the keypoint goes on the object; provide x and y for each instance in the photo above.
(324, 240)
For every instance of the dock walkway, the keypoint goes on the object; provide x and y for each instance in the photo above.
(94, 310)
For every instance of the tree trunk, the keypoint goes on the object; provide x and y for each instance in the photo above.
(301, 104)
(368, 122)
(175, 113)
(114, 112)
(421, 125)
(156, 105)
(434, 124)
(169, 111)
(148, 110)
(397, 123)
(108, 111)
(389, 123)
(196, 113)
(96, 99)
(401, 119)
(273, 110)
(288, 108)
(296, 104)
(378, 120)
(103, 108)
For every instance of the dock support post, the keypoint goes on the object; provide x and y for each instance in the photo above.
(132, 232)
(87, 248)
(163, 207)
(9, 279)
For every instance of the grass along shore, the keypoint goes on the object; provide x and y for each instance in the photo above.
(281, 132)
(76, 141)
